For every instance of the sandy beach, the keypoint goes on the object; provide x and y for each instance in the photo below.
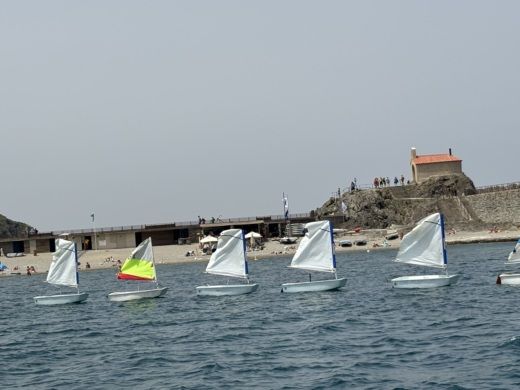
(174, 254)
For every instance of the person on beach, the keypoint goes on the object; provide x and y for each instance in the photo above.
(87, 265)
(28, 271)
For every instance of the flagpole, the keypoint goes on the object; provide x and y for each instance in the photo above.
(94, 229)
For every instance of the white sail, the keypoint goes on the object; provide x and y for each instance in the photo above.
(514, 256)
(143, 251)
(424, 245)
(230, 257)
(316, 250)
(63, 269)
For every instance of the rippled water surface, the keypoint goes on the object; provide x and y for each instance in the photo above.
(366, 335)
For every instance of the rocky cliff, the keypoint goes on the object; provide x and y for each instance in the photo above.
(13, 229)
(453, 195)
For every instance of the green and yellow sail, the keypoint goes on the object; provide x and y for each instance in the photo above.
(140, 265)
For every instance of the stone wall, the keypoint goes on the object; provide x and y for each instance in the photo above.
(496, 207)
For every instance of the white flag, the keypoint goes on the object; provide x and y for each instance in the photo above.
(285, 206)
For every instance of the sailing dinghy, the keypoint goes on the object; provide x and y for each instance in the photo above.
(514, 258)
(229, 259)
(315, 253)
(425, 246)
(140, 266)
(63, 271)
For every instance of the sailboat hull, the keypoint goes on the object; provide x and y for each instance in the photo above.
(61, 299)
(124, 296)
(228, 289)
(319, 285)
(509, 279)
(424, 281)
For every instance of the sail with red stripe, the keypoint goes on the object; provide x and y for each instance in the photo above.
(140, 264)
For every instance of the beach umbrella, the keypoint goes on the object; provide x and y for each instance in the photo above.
(209, 239)
(253, 236)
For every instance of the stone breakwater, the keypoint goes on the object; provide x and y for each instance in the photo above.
(500, 207)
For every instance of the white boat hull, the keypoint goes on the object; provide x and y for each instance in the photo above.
(60, 299)
(227, 289)
(124, 296)
(318, 285)
(509, 279)
(424, 281)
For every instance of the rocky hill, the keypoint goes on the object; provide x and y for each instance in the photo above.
(393, 206)
(13, 229)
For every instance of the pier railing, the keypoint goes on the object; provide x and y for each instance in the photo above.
(272, 218)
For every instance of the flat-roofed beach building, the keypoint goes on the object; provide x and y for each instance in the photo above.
(175, 233)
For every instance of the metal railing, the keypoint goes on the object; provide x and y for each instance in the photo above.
(278, 217)
(361, 187)
(274, 218)
(498, 187)
(98, 230)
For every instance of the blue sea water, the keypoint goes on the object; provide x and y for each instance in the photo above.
(365, 336)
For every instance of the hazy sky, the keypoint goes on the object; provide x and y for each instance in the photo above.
(159, 111)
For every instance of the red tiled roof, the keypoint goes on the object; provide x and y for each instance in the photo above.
(434, 158)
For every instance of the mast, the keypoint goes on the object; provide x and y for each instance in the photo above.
(76, 265)
(245, 255)
(444, 253)
(331, 232)
(153, 262)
